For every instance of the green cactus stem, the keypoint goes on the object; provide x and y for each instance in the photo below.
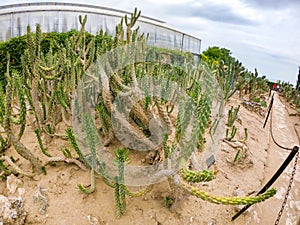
(138, 193)
(122, 158)
(233, 133)
(38, 136)
(92, 187)
(196, 176)
(232, 115)
(248, 200)
(66, 152)
(239, 154)
(74, 144)
(167, 151)
(117, 199)
(19, 147)
(4, 144)
(20, 91)
(4, 169)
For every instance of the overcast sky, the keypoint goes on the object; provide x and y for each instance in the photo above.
(262, 34)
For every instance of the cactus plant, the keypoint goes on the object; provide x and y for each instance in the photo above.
(232, 115)
(50, 79)
(248, 200)
(19, 147)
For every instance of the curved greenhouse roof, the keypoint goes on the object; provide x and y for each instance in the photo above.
(62, 17)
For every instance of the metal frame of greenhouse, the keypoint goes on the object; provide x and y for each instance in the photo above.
(62, 17)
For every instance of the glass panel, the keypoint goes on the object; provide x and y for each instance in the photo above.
(110, 23)
(5, 24)
(67, 21)
(62, 18)
(35, 18)
(18, 21)
(50, 22)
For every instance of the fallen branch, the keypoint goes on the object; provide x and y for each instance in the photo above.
(66, 160)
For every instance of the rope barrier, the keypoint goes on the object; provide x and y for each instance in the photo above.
(294, 151)
(272, 180)
(271, 127)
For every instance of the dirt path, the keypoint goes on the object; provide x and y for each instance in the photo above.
(285, 135)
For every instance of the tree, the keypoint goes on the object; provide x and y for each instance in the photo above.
(215, 54)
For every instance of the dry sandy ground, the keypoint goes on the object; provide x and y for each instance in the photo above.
(65, 205)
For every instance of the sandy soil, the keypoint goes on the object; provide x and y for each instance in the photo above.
(61, 203)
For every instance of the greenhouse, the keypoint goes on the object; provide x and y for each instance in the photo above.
(62, 17)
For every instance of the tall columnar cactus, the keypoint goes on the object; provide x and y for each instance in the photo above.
(18, 99)
(231, 135)
(19, 147)
(120, 189)
(30, 63)
(231, 118)
(38, 136)
(232, 115)
(52, 77)
(47, 82)
(228, 76)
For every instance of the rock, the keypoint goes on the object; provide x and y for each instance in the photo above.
(225, 150)
(238, 192)
(11, 207)
(213, 222)
(298, 205)
(12, 211)
(12, 183)
(93, 220)
(40, 197)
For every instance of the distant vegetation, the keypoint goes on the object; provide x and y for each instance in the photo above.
(240, 79)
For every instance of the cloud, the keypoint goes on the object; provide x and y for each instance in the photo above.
(271, 4)
(221, 13)
(217, 12)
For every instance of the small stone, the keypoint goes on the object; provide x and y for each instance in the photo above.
(212, 222)
(238, 208)
(297, 205)
(225, 150)
(12, 183)
(238, 192)
(21, 191)
(12, 211)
